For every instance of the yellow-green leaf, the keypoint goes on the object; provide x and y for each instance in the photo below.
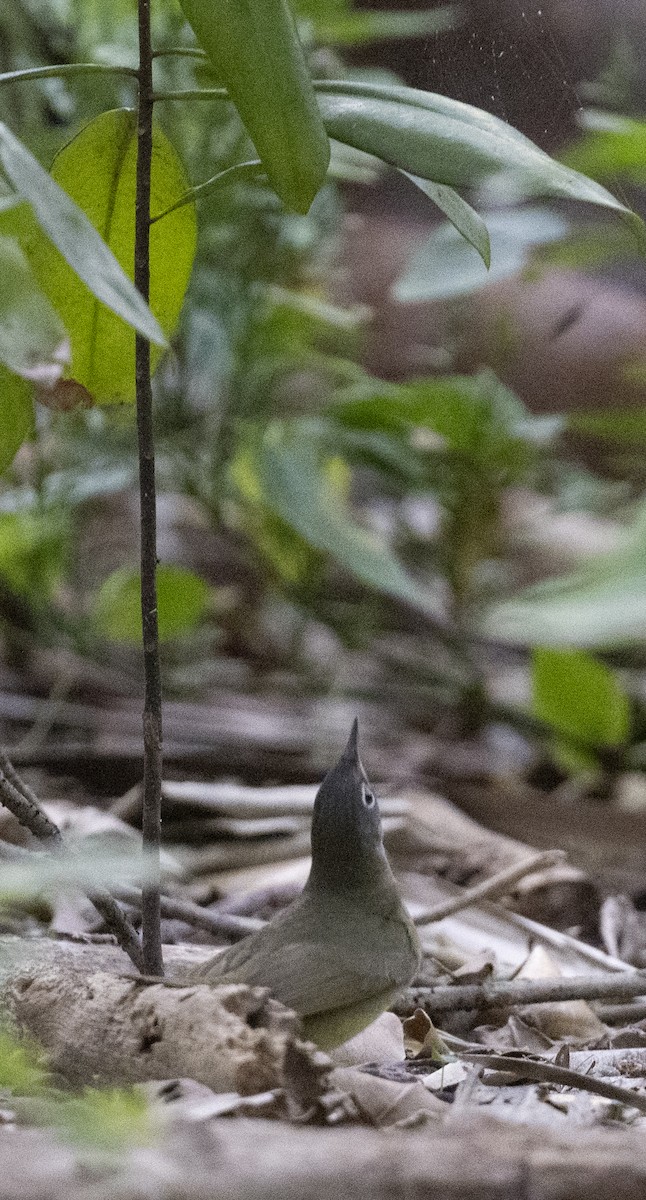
(33, 341)
(97, 170)
(580, 696)
(16, 415)
(182, 598)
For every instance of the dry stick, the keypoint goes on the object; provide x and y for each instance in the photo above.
(193, 914)
(543, 1072)
(498, 885)
(152, 716)
(622, 986)
(19, 798)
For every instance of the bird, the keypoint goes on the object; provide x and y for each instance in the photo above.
(341, 952)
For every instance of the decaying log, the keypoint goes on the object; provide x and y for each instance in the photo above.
(246, 1159)
(98, 1023)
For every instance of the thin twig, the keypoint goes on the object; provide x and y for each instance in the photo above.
(622, 986)
(540, 1071)
(152, 716)
(227, 924)
(18, 797)
(22, 802)
(498, 885)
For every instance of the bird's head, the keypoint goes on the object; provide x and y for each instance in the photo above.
(346, 827)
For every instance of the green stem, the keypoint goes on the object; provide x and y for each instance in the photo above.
(65, 69)
(193, 94)
(181, 52)
(239, 171)
(152, 716)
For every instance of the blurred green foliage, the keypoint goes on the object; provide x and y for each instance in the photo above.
(268, 419)
(584, 702)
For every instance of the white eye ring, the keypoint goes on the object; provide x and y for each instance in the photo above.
(367, 796)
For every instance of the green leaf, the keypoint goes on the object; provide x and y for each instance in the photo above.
(182, 599)
(33, 342)
(580, 697)
(445, 265)
(613, 148)
(602, 604)
(97, 170)
(355, 28)
(16, 415)
(477, 418)
(22, 1063)
(109, 1119)
(293, 485)
(73, 235)
(32, 549)
(626, 426)
(254, 47)
(462, 216)
(449, 142)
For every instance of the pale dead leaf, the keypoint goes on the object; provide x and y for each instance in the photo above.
(565, 1020)
(383, 1102)
(380, 1042)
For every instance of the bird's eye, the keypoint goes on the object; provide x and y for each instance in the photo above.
(368, 797)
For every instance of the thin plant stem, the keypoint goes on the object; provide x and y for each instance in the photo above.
(64, 69)
(180, 52)
(193, 94)
(152, 716)
(230, 175)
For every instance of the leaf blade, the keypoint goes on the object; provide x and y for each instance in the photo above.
(256, 51)
(73, 235)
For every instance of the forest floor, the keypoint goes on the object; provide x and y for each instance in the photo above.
(516, 1063)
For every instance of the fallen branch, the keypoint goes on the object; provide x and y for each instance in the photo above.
(622, 986)
(18, 797)
(496, 886)
(96, 1024)
(539, 1071)
(254, 1159)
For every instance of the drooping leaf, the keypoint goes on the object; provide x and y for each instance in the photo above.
(293, 485)
(97, 170)
(33, 341)
(16, 415)
(255, 49)
(449, 142)
(445, 265)
(68, 871)
(602, 604)
(73, 235)
(182, 598)
(580, 697)
(462, 216)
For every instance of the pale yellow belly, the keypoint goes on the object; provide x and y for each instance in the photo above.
(337, 1025)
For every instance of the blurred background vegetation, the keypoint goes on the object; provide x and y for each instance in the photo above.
(387, 478)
